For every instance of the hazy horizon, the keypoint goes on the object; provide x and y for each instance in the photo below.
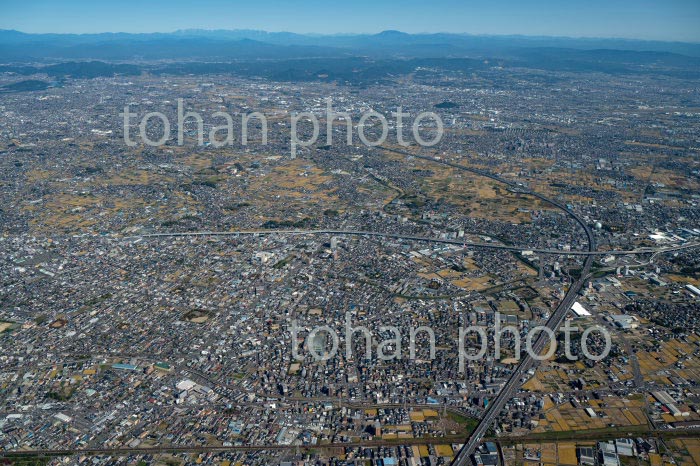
(673, 21)
(347, 33)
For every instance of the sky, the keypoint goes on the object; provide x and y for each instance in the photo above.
(677, 20)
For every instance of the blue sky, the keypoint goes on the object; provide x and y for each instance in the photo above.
(643, 19)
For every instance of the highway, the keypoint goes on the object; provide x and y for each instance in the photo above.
(516, 379)
(427, 239)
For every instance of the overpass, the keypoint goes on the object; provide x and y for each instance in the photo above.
(515, 380)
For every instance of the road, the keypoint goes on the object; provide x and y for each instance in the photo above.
(427, 239)
(516, 379)
(116, 452)
(32, 454)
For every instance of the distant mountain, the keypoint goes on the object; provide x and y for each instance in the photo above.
(120, 47)
(246, 44)
(464, 42)
(351, 58)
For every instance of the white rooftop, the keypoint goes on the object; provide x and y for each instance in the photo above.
(580, 310)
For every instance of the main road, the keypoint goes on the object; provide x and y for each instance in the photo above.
(516, 379)
(427, 239)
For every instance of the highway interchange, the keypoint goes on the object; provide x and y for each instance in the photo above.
(517, 377)
(515, 380)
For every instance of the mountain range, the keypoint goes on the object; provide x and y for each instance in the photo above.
(246, 44)
(343, 58)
